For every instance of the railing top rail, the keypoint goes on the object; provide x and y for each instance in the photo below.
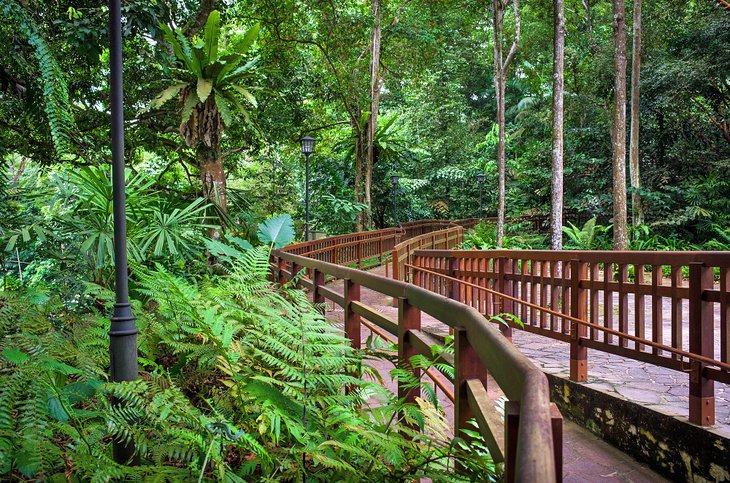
(672, 350)
(714, 258)
(519, 378)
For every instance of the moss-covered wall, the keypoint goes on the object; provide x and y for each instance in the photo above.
(676, 449)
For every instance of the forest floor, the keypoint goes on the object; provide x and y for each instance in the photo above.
(586, 457)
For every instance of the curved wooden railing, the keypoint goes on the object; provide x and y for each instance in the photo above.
(610, 301)
(528, 439)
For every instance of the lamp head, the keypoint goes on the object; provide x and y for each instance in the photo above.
(307, 145)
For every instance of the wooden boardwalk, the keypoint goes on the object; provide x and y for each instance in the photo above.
(586, 457)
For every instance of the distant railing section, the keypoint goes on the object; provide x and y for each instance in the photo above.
(368, 248)
(528, 438)
(610, 301)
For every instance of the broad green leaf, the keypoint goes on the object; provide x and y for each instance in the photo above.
(166, 95)
(220, 249)
(245, 43)
(204, 89)
(243, 244)
(55, 409)
(211, 35)
(223, 107)
(16, 356)
(277, 231)
(191, 100)
(247, 94)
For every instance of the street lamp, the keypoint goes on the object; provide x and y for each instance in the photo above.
(480, 180)
(307, 149)
(123, 330)
(394, 181)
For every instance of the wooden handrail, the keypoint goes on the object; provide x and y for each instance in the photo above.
(519, 379)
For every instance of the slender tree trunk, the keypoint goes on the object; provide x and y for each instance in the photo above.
(618, 131)
(589, 16)
(375, 83)
(360, 162)
(500, 76)
(637, 208)
(556, 221)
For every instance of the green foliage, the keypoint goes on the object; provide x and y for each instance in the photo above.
(249, 388)
(212, 71)
(519, 236)
(585, 238)
(52, 78)
(277, 231)
(336, 215)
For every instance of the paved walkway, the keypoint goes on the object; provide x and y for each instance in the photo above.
(586, 457)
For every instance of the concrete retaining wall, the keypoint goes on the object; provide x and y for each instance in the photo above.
(674, 448)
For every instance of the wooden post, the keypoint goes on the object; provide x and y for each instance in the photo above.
(281, 266)
(578, 300)
(504, 286)
(455, 292)
(409, 318)
(294, 270)
(511, 430)
(396, 272)
(701, 342)
(318, 281)
(353, 330)
(467, 365)
(358, 254)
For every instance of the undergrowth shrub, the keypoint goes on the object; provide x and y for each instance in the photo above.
(241, 380)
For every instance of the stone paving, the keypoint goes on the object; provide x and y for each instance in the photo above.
(586, 457)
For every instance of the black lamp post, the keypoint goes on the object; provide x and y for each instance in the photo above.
(123, 330)
(394, 181)
(307, 150)
(480, 180)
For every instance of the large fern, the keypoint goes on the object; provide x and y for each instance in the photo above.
(242, 380)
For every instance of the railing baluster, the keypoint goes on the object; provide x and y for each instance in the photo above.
(724, 314)
(544, 271)
(702, 342)
(676, 309)
(524, 290)
(567, 273)
(607, 301)
(639, 307)
(554, 293)
(533, 291)
(594, 317)
(623, 303)
(578, 353)
(505, 287)
(657, 319)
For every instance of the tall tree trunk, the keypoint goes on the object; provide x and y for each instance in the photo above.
(364, 218)
(214, 178)
(375, 84)
(637, 208)
(618, 130)
(500, 77)
(556, 221)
